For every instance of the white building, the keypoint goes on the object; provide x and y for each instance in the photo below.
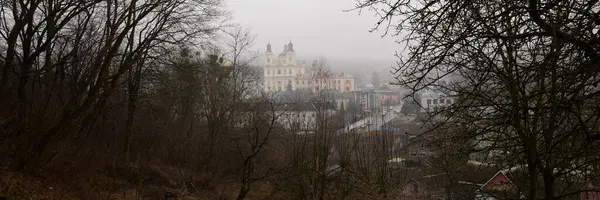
(431, 99)
(303, 117)
(283, 72)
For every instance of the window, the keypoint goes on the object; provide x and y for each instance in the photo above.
(435, 101)
(347, 81)
(279, 88)
(297, 82)
(268, 72)
(449, 101)
(268, 60)
(339, 82)
(278, 71)
(290, 71)
(428, 101)
(269, 88)
(347, 88)
(290, 59)
(278, 82)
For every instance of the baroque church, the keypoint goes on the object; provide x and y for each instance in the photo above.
(283, 72)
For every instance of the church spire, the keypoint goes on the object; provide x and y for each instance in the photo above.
(269, 48)
(291, 46)
(285, 48)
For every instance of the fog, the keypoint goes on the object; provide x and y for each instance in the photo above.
(318, 29)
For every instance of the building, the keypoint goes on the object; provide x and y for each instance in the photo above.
(285, 72)
(304, 117)
(432, 99)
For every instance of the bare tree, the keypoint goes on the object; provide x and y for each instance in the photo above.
(523, 74)
(90, 47)
(254, 140)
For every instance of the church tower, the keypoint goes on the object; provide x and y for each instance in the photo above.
(269, 56)
(291, 55)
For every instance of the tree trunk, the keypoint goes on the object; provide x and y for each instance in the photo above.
(548, 185)
(530, 149)
(243, 192)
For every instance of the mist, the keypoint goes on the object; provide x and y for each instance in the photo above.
(317, 28)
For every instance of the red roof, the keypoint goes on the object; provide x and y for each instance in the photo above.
(500, 183)
(590, 195)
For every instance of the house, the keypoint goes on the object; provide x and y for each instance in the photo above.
(414, 189)
(387, 97)
(432, 99)
(304, 117)
(510, 183)
(498, 187)
(466, 183)
(593, 193)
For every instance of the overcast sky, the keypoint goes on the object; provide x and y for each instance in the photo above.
(317, 28)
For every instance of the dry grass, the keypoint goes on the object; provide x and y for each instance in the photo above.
(17, 186)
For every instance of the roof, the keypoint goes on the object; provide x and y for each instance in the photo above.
(405, 127)
(375, 133)
(306, 106)
(291, 96)
(499, 185)
(478, 172)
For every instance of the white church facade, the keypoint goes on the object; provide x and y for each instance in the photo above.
(284, 72)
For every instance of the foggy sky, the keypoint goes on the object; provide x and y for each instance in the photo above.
(317, 28)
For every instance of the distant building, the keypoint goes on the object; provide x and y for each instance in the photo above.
(284, 72)
(304, 117)
(371, 99)
(432, 99)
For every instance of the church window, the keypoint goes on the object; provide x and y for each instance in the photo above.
(278, 71)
